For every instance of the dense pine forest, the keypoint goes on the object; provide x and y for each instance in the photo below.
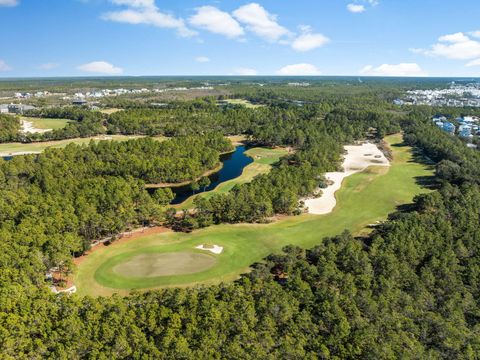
(410, 289)
(9, 128)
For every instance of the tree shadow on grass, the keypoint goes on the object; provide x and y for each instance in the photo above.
(421, 158)
(428, 182)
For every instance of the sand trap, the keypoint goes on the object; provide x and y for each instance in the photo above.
(28, 128)
(214, 249)
(357, 159)
(164, 264)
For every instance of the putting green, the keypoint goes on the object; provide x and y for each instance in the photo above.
(364, 198)
(166, 264)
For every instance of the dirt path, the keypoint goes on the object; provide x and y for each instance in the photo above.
(126, 236)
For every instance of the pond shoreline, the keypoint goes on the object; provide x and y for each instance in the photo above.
(210, 172)
(186, 182)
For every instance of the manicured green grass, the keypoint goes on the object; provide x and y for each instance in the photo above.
(263, 158)
(13, 148)
(164, 264)
(244, 102)
(365, 198)
(44, 123)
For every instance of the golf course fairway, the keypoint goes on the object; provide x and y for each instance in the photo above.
(364, 198)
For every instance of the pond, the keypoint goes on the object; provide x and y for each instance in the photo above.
(233, 164)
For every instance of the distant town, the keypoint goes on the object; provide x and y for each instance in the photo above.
(455, 96)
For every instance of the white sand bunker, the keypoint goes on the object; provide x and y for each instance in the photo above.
(28, 128)
(212, 248)
(357, 159)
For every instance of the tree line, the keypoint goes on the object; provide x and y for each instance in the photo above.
(52, 205)
(9, 128)
(410, 289)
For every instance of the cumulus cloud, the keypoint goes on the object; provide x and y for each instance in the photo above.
(245, 71)
(475, 33)
(299, 69)
(202, 59)
(48, 66)
(4, 66)
(308, 40)
(458, 46)
(402, 69)
(216, 21)
(146, 12)
(252, 17)
(141, 4)
(260, 22)
(100, 67)
(9, 3)
(356, 8)
(473, 63)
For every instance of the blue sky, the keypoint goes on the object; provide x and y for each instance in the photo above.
(264, 37)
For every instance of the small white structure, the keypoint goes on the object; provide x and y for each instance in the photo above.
(71, 290)
(213, 249)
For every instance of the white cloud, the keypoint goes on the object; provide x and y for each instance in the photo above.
(4, 66)
(260, 21)
(202, 59)
(48, 66)
(216, 21)
(454, 38)
(356, 8)
(245, 71)
(308, 40)
(100, 67)
(299, 69)
(9, 2)
(141, 4)
(473, 63)
(146, 12)
(403, 69)
(458, 46)
(475, 33)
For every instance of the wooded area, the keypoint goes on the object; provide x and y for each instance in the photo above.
(410, 289)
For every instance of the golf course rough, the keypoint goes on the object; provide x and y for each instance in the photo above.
(364, 198)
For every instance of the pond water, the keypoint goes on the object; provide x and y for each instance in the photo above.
(233, 164)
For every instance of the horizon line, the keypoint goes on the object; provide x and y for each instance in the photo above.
(231, 76)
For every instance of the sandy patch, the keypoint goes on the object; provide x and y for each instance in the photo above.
(28, 128)
(357, 159)
(213, 249)
(16, 153)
